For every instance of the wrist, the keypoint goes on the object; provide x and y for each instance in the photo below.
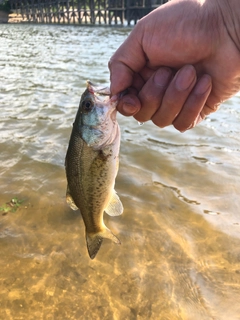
(230, 11)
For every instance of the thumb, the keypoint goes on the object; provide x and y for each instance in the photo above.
(127, 60)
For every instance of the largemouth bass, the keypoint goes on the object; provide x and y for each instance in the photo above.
(92, 164)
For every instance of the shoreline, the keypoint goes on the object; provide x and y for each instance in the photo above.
(17, 18)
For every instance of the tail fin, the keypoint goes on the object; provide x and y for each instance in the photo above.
(94, 241)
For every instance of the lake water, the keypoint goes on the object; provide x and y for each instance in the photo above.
(180, 230)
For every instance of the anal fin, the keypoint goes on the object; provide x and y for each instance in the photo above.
(114, 207)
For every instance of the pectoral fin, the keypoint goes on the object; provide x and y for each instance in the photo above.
(70, 200)
(115, 207)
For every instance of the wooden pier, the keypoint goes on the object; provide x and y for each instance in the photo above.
(85, 12)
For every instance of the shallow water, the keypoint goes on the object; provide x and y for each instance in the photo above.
(180, 230)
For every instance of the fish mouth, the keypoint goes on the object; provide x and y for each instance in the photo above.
(97, 90)
(102, 95)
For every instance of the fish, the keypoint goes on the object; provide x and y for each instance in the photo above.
(91, 164)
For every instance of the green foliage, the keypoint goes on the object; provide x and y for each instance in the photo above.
(11, 206)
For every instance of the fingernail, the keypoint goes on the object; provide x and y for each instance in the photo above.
(203, 84)
(162, 77)
(185, 78)
(114, 98)
(128, 106)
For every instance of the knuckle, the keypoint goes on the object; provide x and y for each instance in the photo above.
(150, 96)
(207, 109)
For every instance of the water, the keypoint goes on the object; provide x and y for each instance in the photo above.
(180, 230)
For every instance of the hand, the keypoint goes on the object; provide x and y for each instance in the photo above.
(179, 63)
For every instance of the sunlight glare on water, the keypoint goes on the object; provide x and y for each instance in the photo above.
(180, 251)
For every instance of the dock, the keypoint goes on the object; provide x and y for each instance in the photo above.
(83, 12)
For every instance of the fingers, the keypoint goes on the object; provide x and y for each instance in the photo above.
(152, 93)
(121, 76)
(126, 62)
(191, 114)
(175, 96)
(129, 105)
(207, 109)
(146, 103)
(180, 101)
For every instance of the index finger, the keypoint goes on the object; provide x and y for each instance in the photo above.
(121, 76)
(126, 61)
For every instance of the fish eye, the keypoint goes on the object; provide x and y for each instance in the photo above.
(87, 105)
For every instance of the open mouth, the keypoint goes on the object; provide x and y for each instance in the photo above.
(97, 90)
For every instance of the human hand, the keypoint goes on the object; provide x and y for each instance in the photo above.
(179, 63)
